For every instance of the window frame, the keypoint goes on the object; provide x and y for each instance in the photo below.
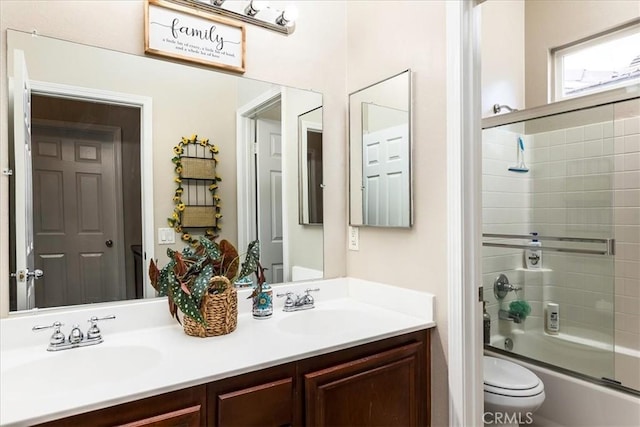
(558, 53)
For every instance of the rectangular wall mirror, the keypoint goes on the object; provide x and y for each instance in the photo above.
(98, 131)
(380, 154)
(310, 167)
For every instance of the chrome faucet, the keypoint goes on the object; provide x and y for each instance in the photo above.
(300, 302)
(76, 337)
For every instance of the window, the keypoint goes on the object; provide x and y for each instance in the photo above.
(603, 62)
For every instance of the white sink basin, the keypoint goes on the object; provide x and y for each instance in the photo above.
(79, 367)
(325, 321)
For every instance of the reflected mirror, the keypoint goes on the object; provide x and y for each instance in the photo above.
(94, 134)
(380, 154)
(310, 167)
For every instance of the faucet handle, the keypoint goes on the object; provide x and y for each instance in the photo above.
(94, 332)
(311, 290)
(57, 337)
(289, 301)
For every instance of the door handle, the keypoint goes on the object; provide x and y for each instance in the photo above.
(22, 275)
(109, 243)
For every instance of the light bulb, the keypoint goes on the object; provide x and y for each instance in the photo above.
(255, 6)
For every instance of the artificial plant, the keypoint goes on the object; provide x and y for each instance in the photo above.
(187, 276)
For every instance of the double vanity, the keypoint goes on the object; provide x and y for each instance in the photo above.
(361, 354)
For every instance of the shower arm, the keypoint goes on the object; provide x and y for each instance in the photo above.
(497, 108)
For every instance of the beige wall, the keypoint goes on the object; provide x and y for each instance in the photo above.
(384, 38)
(501, 44)
(550, 24)
(293, 61)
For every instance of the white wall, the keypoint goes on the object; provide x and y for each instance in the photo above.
(385, 38)
(502, 51)
(297, 60)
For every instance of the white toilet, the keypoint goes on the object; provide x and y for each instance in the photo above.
(512, 393)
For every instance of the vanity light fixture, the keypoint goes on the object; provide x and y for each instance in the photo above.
(256, 12)
(254, 7)
(288, 16)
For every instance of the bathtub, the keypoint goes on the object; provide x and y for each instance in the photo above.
(573, 401)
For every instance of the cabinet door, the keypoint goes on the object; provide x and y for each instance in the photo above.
(379, 390)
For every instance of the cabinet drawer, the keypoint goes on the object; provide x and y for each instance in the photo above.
(269, 404)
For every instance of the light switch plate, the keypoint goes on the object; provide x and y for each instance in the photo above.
(166, 236)
(354, 238)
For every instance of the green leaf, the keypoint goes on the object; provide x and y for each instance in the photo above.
(163, 281)
(185, 302)
(201, 284)
(251, 259)
(212, 249)
(187, 252)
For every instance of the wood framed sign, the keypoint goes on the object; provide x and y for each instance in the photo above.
(178, 32)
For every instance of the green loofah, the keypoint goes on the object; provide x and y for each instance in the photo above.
(520, 309)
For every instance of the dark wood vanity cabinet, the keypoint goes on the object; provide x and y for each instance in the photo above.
(384, 383)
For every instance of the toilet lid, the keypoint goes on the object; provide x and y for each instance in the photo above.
(500, 373)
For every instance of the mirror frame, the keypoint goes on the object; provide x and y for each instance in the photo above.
(355, 122)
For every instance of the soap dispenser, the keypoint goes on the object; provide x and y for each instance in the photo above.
(486, 323)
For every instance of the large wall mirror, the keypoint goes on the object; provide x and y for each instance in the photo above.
(94, 143)
(380, 154)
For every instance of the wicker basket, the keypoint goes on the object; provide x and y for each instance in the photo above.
(219, 310)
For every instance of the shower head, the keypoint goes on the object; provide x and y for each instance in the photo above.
(498, 108)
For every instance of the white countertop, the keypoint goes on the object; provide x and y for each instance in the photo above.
(146, 353)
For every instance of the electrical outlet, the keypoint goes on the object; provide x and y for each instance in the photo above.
(354, 238)
(166, 236)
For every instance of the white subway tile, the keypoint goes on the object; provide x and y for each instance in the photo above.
(632, 162)
(619, 145)
(594, 131)
(627, 233)
(632, 288)
(618, 128)
(575, 135)
(558, 137)
(607, 146)
(631, 197)
(631, 179)
(540, 140)
(575, 151)
(631, 143)
(607, 129)
(632, 125)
